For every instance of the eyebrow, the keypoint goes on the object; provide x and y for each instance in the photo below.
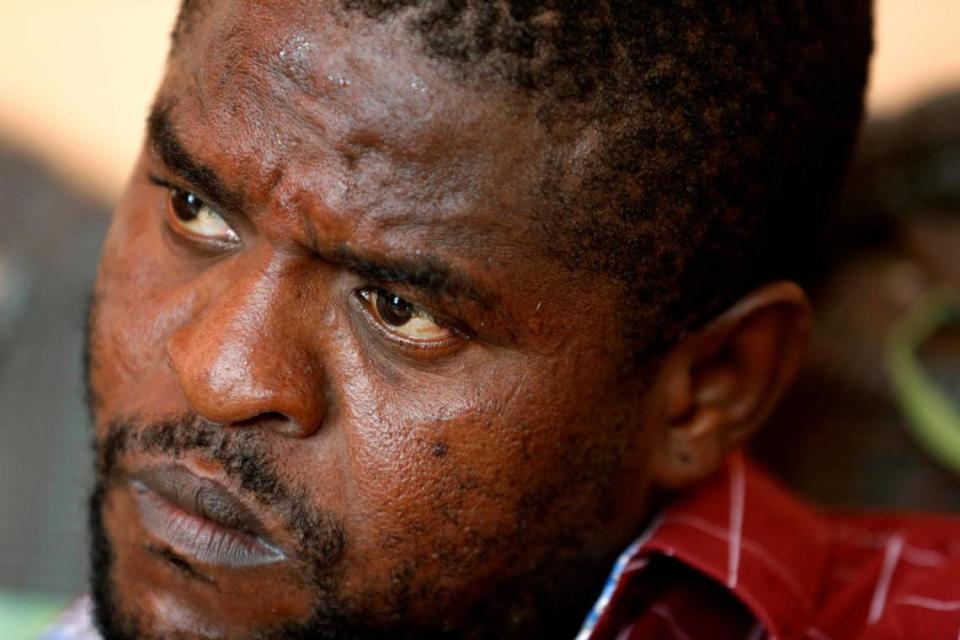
(429, 274)
(163, 139)
(426, 274)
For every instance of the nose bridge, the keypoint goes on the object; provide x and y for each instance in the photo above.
(236, 359)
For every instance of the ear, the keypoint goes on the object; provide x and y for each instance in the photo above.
(720, 383)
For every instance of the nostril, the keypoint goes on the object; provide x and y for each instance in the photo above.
(273, 421)
(272, 416)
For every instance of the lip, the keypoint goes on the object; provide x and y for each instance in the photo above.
(201, 519)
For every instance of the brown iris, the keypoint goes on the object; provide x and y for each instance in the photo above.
(393, 309)
(186, 206)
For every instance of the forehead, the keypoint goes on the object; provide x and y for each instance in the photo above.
(309, 107)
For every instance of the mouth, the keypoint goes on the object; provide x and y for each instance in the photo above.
(201, 519)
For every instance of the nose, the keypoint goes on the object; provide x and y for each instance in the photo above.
(238, 363)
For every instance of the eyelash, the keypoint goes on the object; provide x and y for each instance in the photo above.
(166, 185)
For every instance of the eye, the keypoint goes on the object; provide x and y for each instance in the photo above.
(403, 318)
(190, 216)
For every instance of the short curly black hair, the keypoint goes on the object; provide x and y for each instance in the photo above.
(722, 130)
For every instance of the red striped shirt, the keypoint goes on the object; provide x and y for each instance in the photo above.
(741, 558)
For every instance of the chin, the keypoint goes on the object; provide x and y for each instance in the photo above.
(148, 584)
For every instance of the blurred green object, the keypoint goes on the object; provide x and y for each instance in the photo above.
(932, 413)
(23, 617)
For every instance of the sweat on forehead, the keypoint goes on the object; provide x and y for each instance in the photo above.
(348, 89)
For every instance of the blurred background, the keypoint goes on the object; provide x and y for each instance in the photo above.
(872, 421)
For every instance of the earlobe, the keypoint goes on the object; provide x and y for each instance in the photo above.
(692, 450)
(721, 382)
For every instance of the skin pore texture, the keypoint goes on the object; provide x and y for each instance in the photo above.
(326, 291)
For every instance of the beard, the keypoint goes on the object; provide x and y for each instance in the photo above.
(320, 536)
(550, 600)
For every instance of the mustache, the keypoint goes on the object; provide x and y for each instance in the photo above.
(243, 454)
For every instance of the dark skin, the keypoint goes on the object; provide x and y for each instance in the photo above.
(476, 443)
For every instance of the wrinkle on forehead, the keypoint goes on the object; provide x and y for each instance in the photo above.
(358, 120)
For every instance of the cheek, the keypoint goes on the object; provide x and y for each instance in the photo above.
(450, 477)
(138, 303)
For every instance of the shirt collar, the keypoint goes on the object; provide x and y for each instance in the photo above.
(742, 530)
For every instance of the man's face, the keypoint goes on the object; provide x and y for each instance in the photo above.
(341, 385)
